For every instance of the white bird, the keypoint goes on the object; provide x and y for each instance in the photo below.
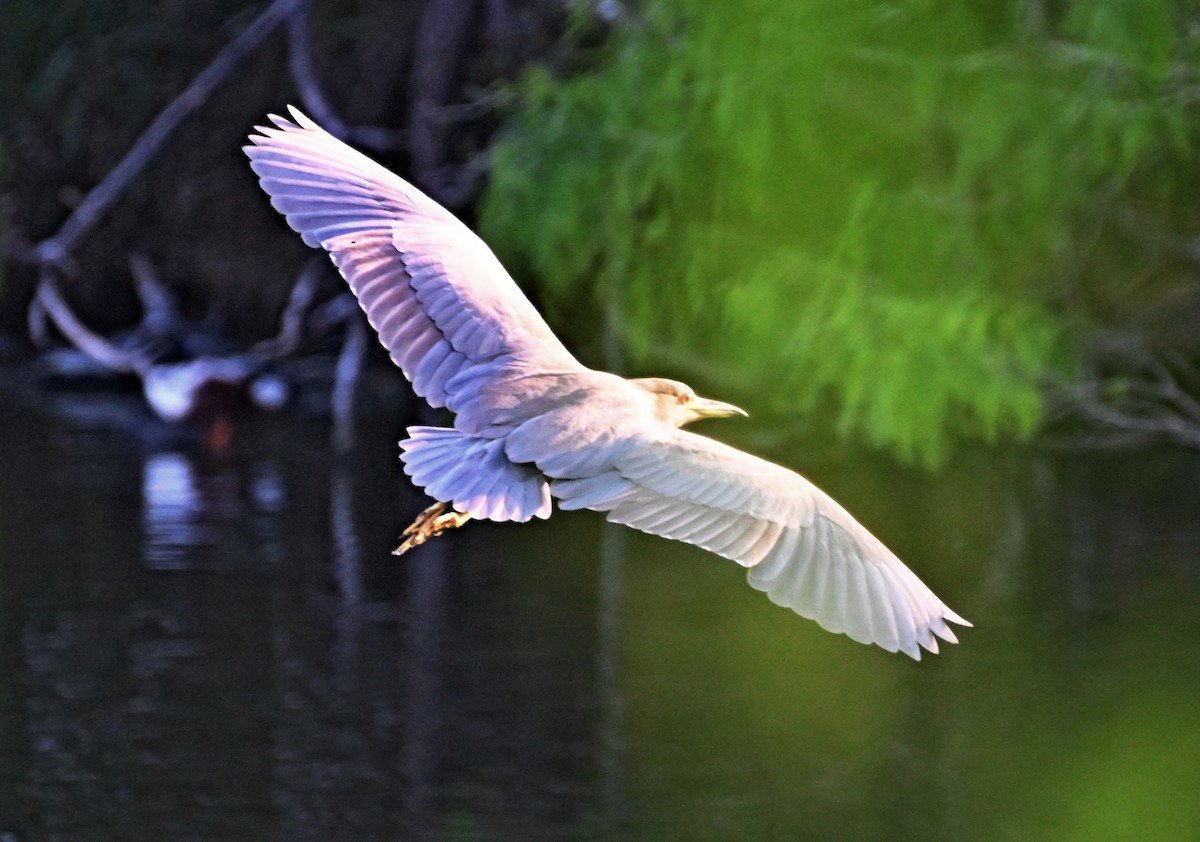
(532, 423)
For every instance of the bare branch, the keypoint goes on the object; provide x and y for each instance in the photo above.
(1156, 239)
(335, 311)
(159, 313)
(304, 74)
(1147, 403)
(445, 31)
(56, 249)
(291, 322)
(54, 254)
(37, 322)
(50, 300)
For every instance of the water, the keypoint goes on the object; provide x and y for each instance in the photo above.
(220, 647)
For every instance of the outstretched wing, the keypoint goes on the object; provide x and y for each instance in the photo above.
(439, 299)
(800, 546)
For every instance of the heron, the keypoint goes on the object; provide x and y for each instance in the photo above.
(533, 425)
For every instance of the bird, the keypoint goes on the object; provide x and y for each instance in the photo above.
(533, 425)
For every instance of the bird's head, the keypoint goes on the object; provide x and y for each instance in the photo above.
(677, 404)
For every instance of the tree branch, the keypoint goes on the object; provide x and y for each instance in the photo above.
(1143, 402)
(1158, 240)
(51, 302)
(291, 321)
(304, 74)
(56, 249)
(443, 38)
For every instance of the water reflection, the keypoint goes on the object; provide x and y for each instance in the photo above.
(204, 648)
(198, 649)
(186, 507)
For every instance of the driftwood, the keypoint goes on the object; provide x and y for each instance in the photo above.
(162, 328)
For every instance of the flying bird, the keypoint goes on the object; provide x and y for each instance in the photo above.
(532, 424)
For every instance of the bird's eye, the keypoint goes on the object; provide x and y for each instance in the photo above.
(684, 398)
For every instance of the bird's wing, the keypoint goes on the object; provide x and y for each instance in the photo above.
(803, 549)
(440, 300)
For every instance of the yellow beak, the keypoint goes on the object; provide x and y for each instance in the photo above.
(708, 408)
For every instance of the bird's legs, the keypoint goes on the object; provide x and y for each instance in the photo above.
(429, 524)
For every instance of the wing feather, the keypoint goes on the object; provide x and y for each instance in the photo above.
(683, 521)
(883, 616)
(802, 548)
(439, 299)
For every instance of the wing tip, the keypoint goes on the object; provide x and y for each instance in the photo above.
(299, 121)
(302, 120)
(927, 635)
(954, 618)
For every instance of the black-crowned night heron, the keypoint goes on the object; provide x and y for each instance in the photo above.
(532, 424)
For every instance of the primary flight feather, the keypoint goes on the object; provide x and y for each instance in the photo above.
(532, 423)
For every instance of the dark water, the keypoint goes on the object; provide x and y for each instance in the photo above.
(201, 647)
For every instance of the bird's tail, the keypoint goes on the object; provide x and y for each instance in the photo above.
(474, 475)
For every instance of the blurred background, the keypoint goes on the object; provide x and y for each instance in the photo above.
(946, 254)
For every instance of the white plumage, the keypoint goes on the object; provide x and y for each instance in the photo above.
(531, 422)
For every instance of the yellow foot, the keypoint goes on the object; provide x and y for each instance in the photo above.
(429, 524)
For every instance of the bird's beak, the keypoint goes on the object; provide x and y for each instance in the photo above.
(708, 408)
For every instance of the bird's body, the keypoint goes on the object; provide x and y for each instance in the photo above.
(532, 424)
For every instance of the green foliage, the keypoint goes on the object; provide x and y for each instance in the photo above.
(870, 207)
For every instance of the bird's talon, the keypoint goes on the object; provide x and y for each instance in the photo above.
(429, 524)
